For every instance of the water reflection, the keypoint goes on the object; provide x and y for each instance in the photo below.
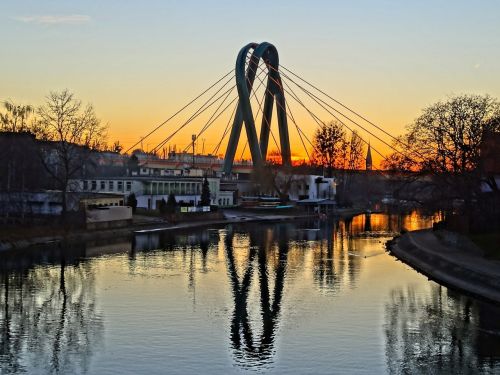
(269, 262)
(265, 296)
(441, 332)
(49, 319)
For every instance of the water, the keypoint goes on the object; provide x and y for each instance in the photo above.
(291, 298)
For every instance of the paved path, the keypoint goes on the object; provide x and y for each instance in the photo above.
(451, 260)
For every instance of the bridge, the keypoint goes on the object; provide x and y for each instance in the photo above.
(262, 83)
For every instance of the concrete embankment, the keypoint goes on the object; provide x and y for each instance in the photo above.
(88, 235)
(450, 260)
(145, 224)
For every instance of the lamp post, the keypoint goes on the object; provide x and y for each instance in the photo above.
(193, 138)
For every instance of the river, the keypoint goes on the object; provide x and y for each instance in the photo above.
(308, 297)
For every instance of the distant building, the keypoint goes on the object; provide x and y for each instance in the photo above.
(312, 187)
(184, 164)
(369, 158)
(150, 190)
(49, 202)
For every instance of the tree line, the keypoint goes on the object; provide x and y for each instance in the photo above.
(66, 132)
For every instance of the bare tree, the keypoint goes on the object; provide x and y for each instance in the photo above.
(448, 134)
(330, 146)
(71, 132)
(355, 151)
(16, 117)
(443, 144)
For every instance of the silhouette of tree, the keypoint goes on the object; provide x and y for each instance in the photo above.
(133, 164)
(444, 142)
(205, 193)
(330, 146)
(356, 151)
(448, 134)
(72, 132)
(132, 202)
(163, 207)
(171, 204)
(16, 116)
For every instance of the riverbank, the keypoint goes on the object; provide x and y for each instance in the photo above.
(141, 223)
(451, 260)
(137, 227)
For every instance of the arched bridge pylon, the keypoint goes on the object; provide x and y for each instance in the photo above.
(245, 76)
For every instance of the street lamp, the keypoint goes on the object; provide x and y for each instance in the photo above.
(193, 138)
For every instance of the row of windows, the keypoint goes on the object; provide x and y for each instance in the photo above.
(181, 188)
(107, 185)
(223, 201)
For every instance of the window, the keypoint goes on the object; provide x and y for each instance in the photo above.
(129, 185)
(111, 185)
(85, 185)
(93, 185)
(120, 185)
(103, 185)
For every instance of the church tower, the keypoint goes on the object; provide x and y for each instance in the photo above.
(369, 158)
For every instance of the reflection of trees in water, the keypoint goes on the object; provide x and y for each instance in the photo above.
(269, 262)
(335, 261)
(48, 320)
(440, 333)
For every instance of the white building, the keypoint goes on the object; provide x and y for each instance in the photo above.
(312, 187)
(149, 191)
(300, 187)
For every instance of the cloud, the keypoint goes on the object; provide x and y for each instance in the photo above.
(66, 19)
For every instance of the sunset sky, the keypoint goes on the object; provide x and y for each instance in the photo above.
(138, 62)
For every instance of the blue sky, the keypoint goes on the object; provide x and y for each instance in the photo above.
(138, 61)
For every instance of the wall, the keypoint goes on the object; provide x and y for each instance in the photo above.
(107, 217)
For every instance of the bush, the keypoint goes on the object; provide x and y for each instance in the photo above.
(171, 204)
(132, 202)
(163, 207)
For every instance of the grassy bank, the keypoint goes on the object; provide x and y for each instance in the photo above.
(489, 243)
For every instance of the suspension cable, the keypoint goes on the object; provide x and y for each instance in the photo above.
(319, 101)
(179, 111)
(212, 119)
(350, 110)
(200, 110)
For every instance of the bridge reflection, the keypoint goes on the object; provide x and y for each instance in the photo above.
(249, 347)
(268, 271)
